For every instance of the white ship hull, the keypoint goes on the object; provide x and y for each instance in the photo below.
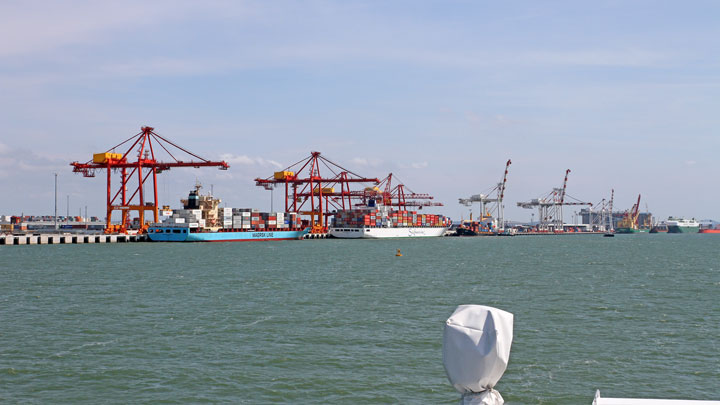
(681, 225)
(377, 233)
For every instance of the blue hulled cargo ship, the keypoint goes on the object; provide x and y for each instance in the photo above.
(171, 233)
(202, 220)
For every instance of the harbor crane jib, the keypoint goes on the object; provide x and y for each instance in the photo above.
(550, 213)
(137, 161)
(493, 198)
(400, 196)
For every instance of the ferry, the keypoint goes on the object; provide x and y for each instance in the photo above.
(682, 225)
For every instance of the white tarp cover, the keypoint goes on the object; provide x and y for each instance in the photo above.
(476, 350)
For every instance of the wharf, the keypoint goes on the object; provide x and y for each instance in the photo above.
(556, 233)
(317, 236)
(64, 239)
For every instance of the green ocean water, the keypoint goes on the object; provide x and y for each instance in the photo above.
(338, 321)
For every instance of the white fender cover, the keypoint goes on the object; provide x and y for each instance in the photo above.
(476, 351)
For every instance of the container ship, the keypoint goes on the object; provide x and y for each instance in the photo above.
(484, 227)
(682, 225)
(380, 221)
(202, 220)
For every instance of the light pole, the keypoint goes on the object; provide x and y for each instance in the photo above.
(56, 202)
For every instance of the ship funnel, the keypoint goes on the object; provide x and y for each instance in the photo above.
(476, 350)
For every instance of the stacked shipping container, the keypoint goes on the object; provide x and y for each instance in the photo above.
(382, 218)
(238, 219)
(248, 218)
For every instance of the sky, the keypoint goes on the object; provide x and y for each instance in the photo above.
(439, 93)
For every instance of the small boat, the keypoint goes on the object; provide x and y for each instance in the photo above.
(609, 234)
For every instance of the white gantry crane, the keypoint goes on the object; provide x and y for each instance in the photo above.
(491, 202)
(550, 207)
(601, 218)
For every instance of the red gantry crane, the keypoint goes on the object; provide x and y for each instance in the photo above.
(401, 196)
(143, 149)
(308, 192)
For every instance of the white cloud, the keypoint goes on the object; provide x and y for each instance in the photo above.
(268, 162)
(249, 161)
(61, 24)
(370, 162)
(414, 165)
(596, 57)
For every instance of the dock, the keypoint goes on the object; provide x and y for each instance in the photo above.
(316, 236)
(66, 239)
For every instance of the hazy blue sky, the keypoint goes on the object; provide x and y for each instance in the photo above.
(441, 93)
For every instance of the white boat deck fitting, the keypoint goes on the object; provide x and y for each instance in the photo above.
(642, 401)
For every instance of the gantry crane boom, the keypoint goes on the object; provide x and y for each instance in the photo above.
(564, 188)
(636, 209)
(398, 196)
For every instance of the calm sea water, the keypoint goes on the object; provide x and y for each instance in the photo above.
(334, 321)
